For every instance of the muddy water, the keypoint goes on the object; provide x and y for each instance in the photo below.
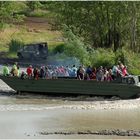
(26, 116)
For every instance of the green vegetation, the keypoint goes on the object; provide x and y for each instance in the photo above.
(39, 13)
(59, 49)
(12, 35)
(75, 47)
(95, 32)
(15, 45)
(101, 24)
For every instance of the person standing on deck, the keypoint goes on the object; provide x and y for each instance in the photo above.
(14, 69)
(106, 73)
(15, 65)
(36, 73)
(124, 71)
(68, 69)
(5, 70)
(109, 75)
(80, 73)
(42, 72)
(88, 72)
(100, 74)
(93, 74)
(116, 72)
(29, 71)
(74, 71)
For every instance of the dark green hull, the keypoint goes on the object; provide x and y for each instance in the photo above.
(71, 86)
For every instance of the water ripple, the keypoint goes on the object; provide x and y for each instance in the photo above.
(26, 107)
(84, 106)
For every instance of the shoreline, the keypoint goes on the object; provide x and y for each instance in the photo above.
(115, 132)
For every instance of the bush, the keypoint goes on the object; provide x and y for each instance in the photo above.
(134, 71)
(38, 13)
(119, 56)
(15, 45)
(102, 57)
(74, 47)
(3, 26)
(131, 60)
(59, 48)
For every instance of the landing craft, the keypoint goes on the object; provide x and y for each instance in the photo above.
(127, 87)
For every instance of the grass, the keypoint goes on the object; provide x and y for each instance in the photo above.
(11, 55)
(39, 13)
(29, 34)
(41, 36)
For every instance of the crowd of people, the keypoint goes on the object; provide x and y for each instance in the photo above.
(81, 72)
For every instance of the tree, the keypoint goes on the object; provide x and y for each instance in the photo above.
(101, 24)
(33, 5)
(7, 12)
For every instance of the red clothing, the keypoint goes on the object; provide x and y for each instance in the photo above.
(29, 71)
(37, 75)
(92, 75)
(124, 71)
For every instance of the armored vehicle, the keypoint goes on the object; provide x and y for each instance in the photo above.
(33, 51)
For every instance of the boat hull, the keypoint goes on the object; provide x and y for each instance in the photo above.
(71, 86)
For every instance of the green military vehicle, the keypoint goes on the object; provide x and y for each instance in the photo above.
(33, 51)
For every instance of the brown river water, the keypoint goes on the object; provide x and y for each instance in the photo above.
(30, 116)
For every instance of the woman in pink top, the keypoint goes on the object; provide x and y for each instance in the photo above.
(124, 71)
